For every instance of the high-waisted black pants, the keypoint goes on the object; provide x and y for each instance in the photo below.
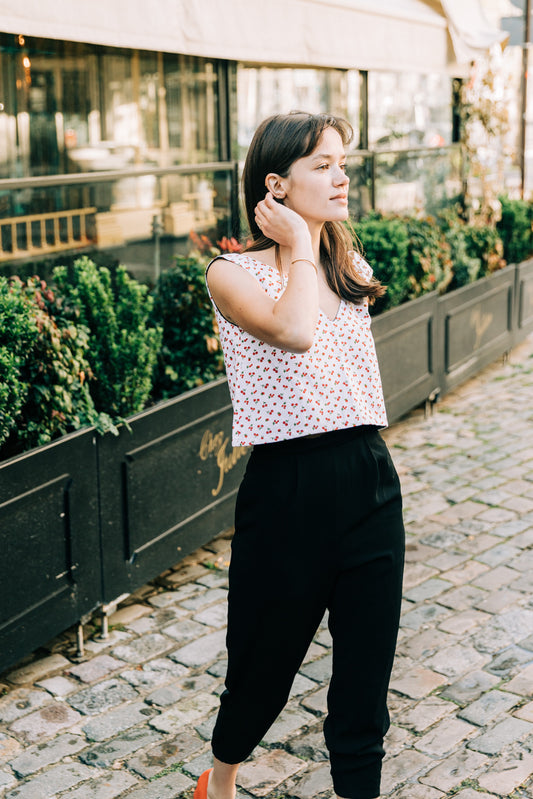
(318, 525)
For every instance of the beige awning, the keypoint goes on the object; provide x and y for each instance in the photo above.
(364, 34)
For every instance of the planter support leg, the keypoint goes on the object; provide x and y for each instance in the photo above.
(80, 653)
(105, 612)
(430, 403)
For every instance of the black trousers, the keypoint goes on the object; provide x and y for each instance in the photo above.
(318, 525)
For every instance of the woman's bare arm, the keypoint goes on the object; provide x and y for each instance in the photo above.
(288, 323)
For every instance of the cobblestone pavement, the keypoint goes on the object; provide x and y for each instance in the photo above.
(134, 718)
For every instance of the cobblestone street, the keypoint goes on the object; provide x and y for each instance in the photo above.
(133, 719)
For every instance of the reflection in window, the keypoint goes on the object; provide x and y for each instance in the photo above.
(409, 110)
(263, 91)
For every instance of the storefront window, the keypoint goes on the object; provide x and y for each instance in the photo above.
(263, 91)
(409, 110)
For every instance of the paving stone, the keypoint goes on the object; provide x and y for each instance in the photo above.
(318, 670)
(266, 772)
(202, 651)
(313, 783)
(510, 661)
(451, 772)
(425, 713)
(9, 747)
(427, 590)
(127, 614)
(525, 712)
(168, 753)
(116, 721)
(218, 669)
(507, 774)
(213, 616)
(445, 737)
(317, 702)
(423, 616)
(199, 764)
(184, 631)
(288, 722)
(45, 723)
(6, 780)
(205, 598)
(170, 694)
(503, 553)
(96, 668)
(309, 746)
(463, 621)
(205, 728)
(143, 648)
(96, 645)
(215, 579)
(469, 687)
(505, 629)
(496, 578)
(418, 792)
(447, 560)
(301, 685)
(44, 754)
(504, 733)
(314, 652)
(58, 686)
(106, 786)
(167, 598)
(419, 682)
(21, 702)
(456, 660)
(154, 673)
(470, 571)
(38, 669)
(399, 769)
(101, 697)
(397, 739)
(416, 573)
(51, 782)
(168, 786)
(422, 645)
(185, 712)
(499, 600)
(523, 682)
(323, 637)
(105, 754)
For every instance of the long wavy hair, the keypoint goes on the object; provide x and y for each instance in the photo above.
(278, 142)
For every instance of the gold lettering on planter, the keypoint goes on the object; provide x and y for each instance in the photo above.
(480, 322)
(215, 444)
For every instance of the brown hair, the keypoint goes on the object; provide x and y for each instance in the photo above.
(278, 142)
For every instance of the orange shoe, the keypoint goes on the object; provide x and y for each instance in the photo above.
(200, 792)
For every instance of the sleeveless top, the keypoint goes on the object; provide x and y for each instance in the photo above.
(278, 395)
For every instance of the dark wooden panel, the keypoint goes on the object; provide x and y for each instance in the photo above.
(476, 326)
(168, 486)
(405, 343)
(50, 544)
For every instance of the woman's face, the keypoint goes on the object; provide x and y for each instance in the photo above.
(317, 185)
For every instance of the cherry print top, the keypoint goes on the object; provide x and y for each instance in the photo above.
(278, 395)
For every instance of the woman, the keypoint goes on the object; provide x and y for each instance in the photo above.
(318, 522)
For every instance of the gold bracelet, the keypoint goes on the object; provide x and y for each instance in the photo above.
(307, 260)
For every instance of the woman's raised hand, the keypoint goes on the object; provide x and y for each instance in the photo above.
(279, 223)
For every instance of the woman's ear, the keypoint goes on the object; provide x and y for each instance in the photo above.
(274, 184)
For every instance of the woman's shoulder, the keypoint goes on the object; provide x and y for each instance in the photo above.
(362, 267)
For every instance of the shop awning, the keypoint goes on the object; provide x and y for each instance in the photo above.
(421, 35)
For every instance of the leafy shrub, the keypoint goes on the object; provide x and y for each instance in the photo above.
(17, 329)
(385, 245)
(190, 354)
(514, 228)
(56, 371)
(123, 346)
(428, 257)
